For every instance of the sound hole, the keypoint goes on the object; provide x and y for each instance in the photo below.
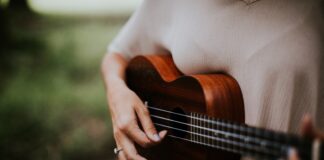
(179, 123)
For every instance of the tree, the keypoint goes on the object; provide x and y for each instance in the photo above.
(19, 5)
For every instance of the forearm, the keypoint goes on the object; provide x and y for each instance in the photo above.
(113, 71)
(127, 110)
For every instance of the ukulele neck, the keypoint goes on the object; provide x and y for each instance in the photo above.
(234, 137)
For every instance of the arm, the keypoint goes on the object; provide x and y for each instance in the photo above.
(125, 106)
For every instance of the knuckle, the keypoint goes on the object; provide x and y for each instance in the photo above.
(151, 128)
(131, 156)
(145, 144)
(141, 107)
(123, 124)
(145, 112)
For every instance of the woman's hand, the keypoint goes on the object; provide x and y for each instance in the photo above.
(126, 109)
(307, 130)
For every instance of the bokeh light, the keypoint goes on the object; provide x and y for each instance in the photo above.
(85, 7)
(52, 99)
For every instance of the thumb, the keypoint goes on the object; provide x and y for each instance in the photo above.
(293, 155)
(307, 127)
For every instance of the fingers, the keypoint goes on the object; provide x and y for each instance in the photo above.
(293, 155)
(120, 155)
(123, 135)
(129, 150)
(136, 134)
(163, 133)
(129, 126)
(308, 129)
(147, 124)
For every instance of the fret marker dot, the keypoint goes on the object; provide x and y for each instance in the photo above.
(263, 143)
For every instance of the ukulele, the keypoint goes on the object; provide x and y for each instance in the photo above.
(204, 116)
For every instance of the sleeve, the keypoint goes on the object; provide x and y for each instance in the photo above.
(137, 36)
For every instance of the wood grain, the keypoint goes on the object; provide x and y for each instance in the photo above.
(157, 80)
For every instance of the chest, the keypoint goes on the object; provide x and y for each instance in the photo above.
(211, 37)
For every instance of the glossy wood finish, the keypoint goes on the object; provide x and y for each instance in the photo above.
(157, 80)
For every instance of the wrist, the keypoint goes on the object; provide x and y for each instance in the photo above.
(115, 84)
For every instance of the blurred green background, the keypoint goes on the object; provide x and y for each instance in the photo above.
(52, 99)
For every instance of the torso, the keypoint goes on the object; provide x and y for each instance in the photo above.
(219, 35)
(270, 47)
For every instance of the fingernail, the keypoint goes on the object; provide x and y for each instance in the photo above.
(162, 134)
(156, 137)
(292, 152)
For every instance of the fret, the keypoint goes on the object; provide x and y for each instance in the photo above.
(209, 133)
(200, 123)
(216, 134)
(206, 131)
(231, 130)
(202, 130)
(221, 128)
(238, 138)
(199, 130)
(244, 133)
(191, 128)
(212, 133)
(195, 130)
(226, 145)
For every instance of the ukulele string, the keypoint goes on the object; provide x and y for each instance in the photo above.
(213, 146)
(282, 147)
(247, 147)
(205, 118)
(209, 120)
(245, 138)
(227, 135)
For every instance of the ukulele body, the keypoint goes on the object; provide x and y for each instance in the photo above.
(156, 80)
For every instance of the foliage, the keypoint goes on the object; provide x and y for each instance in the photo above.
(52, 101)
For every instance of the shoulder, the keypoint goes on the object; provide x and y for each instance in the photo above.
(141, 33)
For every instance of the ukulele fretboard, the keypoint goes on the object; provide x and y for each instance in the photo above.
(233, 137)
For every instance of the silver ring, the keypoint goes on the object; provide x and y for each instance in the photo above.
(117, 150)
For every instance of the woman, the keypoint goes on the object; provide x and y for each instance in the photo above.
(273, 48)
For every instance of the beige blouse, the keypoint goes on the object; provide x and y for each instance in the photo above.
(273, 48)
